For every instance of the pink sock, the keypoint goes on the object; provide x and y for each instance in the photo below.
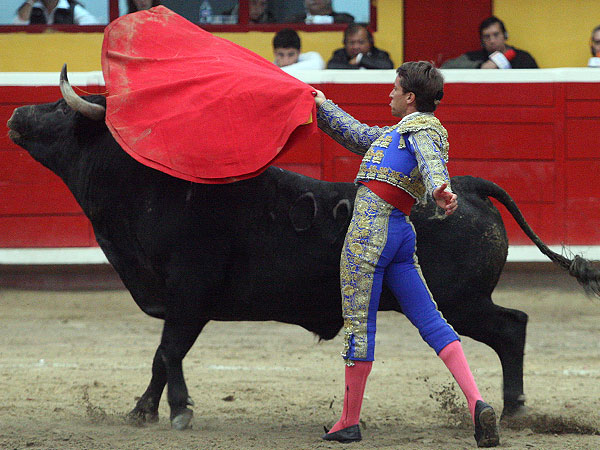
(454, 358)
(356, 380)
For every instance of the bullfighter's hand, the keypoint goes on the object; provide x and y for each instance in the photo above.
(319, 97)
(445, 199)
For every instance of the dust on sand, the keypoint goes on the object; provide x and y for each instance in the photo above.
(72, 363)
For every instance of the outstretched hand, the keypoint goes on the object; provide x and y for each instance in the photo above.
(319, 97)
(445, 199)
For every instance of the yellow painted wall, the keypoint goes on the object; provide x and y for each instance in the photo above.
(555, 32)
(46, 52)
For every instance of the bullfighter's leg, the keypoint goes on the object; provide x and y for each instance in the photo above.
(176, 341)
(504, 330)
(361, 276)
(405, 279)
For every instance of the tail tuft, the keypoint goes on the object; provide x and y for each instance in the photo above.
(587, 275)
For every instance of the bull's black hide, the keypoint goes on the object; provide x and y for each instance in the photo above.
(266, 248)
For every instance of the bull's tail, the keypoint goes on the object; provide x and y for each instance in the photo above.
(582, 269)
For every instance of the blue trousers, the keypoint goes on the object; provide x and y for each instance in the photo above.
(380, 247)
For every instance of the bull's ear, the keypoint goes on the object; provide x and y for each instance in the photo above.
(342, 210)
(303, 212)
(341, 216)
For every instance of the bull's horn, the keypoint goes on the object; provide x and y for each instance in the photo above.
(88, 109)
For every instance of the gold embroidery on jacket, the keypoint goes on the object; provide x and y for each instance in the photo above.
(365, 241)
(373, 155)
(346, 130)
(422, 127)
(433, 167)
(383, 141)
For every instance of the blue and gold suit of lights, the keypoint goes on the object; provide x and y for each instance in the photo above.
(380, 245)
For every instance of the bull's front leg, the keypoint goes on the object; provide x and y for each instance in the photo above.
(177, 338)
(146, 409)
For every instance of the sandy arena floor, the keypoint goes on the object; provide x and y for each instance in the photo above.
(72, 363)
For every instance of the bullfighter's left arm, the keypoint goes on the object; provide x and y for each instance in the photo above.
(431, 159)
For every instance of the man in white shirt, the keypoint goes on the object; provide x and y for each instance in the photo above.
(286, 48)
(595, 48)
(54, 12)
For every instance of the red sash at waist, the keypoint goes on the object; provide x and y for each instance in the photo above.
(396, 197)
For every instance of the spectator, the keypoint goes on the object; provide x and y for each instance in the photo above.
(51, 12)
(495, 53)
(359, 51)
(141, 5)
(282, 10)
(286, 48)
(226, 11)
(595, 48)
(320, 12)
(210, 11)
(258, 12)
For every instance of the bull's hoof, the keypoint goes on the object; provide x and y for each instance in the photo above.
(514, 409)
(182, 420)
(140, 417)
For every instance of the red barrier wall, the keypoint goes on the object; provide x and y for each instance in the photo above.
(539, 140)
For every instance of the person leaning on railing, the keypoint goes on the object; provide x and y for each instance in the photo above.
(49, 12)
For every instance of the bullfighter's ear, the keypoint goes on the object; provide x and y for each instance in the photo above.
(303, 212)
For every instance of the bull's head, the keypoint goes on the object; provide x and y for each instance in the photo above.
(52, 131)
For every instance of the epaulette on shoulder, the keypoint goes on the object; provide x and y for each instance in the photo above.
(427, 122)
(423, 122)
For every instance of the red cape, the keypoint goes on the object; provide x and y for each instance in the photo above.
(196, 106)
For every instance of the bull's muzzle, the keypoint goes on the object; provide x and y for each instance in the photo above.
(13, 133)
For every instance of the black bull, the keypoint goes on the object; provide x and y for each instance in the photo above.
(267, 249)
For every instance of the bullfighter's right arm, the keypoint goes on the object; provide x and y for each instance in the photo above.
(345, 129)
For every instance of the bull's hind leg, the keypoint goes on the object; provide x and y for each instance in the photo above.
(176, 341)
(503, 329)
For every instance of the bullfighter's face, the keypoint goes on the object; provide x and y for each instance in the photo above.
(402, 100)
